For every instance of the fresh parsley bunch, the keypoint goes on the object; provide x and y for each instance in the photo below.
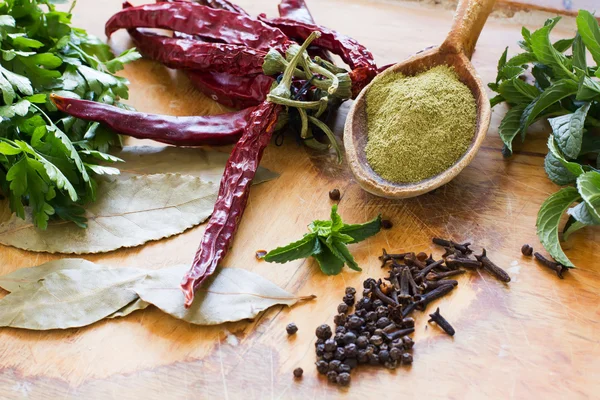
(327, 242)
(48, 161)
(554, 81)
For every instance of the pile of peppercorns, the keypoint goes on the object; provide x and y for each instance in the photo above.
(368, 336)
(377, 332)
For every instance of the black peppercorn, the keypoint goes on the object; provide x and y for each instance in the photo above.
(386, 224)
(339, 354)
(351, 350)
(384, 347)
(377, 303)
(330, 345)
(343, 379)
(344, 368)
(370, 327)
(349, 337)
(371, 316)
(332, 376)
(350, 290)
(340, 329)
(398, 343)
(323, 331)
(351, 362)
(362, 357)
(322, 366)
(408, 342)
(360, 313)
(378, 332)
(349, 300)
(335, 365)
(382, 322)
(395, 354)
(320, 350)
(391, 364)
(328, 356)
(382, 312)
(384, 356)
(339, 338)
(407, 358)
(342, 308)
(376, 340)
(408, 322)
(298, 372)
(527, 250)
(339, 319)
(291, 329)
(334, 194)
(354, 322)
(319, 341)
(373, 359)
(362, 342)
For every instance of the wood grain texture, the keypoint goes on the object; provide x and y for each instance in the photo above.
(536, 337)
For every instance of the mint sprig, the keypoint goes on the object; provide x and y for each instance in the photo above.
(556, 81)
(327, 242)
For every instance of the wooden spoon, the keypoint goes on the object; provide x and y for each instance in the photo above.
(456, 51)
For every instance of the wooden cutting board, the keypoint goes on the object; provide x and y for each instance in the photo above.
(537, 336)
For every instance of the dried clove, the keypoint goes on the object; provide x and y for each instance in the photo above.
(554, 266)
(432, 276)
(527, 250)
(492, 268)
(398, 334)
(451, 251)
(454, 262)
(412, 260)
(422, 256)
(442, 322)
(381, 296)
(462, 247)
(430, 285)
(385, 257)
(421, 275)
(435, 294)
(404, 285)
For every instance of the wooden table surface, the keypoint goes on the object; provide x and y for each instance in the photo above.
(537, 336)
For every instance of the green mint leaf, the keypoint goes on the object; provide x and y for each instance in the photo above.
(510, 126)
(360, 232)
(546, 53)
(302, 248)
(571, 227)
(329, 263)
(501, 63)
(588, 185)
(494, 101)
(511, 71)
(579, 53)
(587, 27)
(340, 237)
(521, 59)
(559, 170)
(342, 250)
(336, 220)
(583, 213)
(588, 89)
(548, 221)
(568, 131)
(552, 95)
(516, 91)
(540, 73)
(563, 45)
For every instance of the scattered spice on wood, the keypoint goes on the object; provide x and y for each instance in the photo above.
(442, 322)
(527, 250)
(291, 329)
(492, 268)
(298, 373)
(334, 194)
(260, 254)
(418, 126)
(386, 224)
(554, 266)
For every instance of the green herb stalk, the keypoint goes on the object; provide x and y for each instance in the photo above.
(554, 81)
(327, 242)
(49, 161)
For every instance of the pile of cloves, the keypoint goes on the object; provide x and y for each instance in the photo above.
(377, 332)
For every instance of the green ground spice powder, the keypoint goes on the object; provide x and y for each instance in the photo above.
(418, 126)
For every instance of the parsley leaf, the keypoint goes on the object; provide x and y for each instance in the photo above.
(326, 242)
(49, 161)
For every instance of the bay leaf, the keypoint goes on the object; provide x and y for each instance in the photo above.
(70, 298)
(71, 293)
(128, 212)
(231, 294)
(204, 163)
(24, 276)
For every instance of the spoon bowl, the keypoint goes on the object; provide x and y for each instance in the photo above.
(456, 52)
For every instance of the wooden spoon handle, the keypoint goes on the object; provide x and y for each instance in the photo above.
(469, 19)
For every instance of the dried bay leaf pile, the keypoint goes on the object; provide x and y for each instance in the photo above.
(163, 191)
(72, 293)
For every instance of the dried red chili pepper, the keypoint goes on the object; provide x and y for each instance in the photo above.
(194, 19)
(219, 4)
(181, 53)
(213, 130)
(296, 10)
(230, 90)
(232, 198)
(353, 53)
